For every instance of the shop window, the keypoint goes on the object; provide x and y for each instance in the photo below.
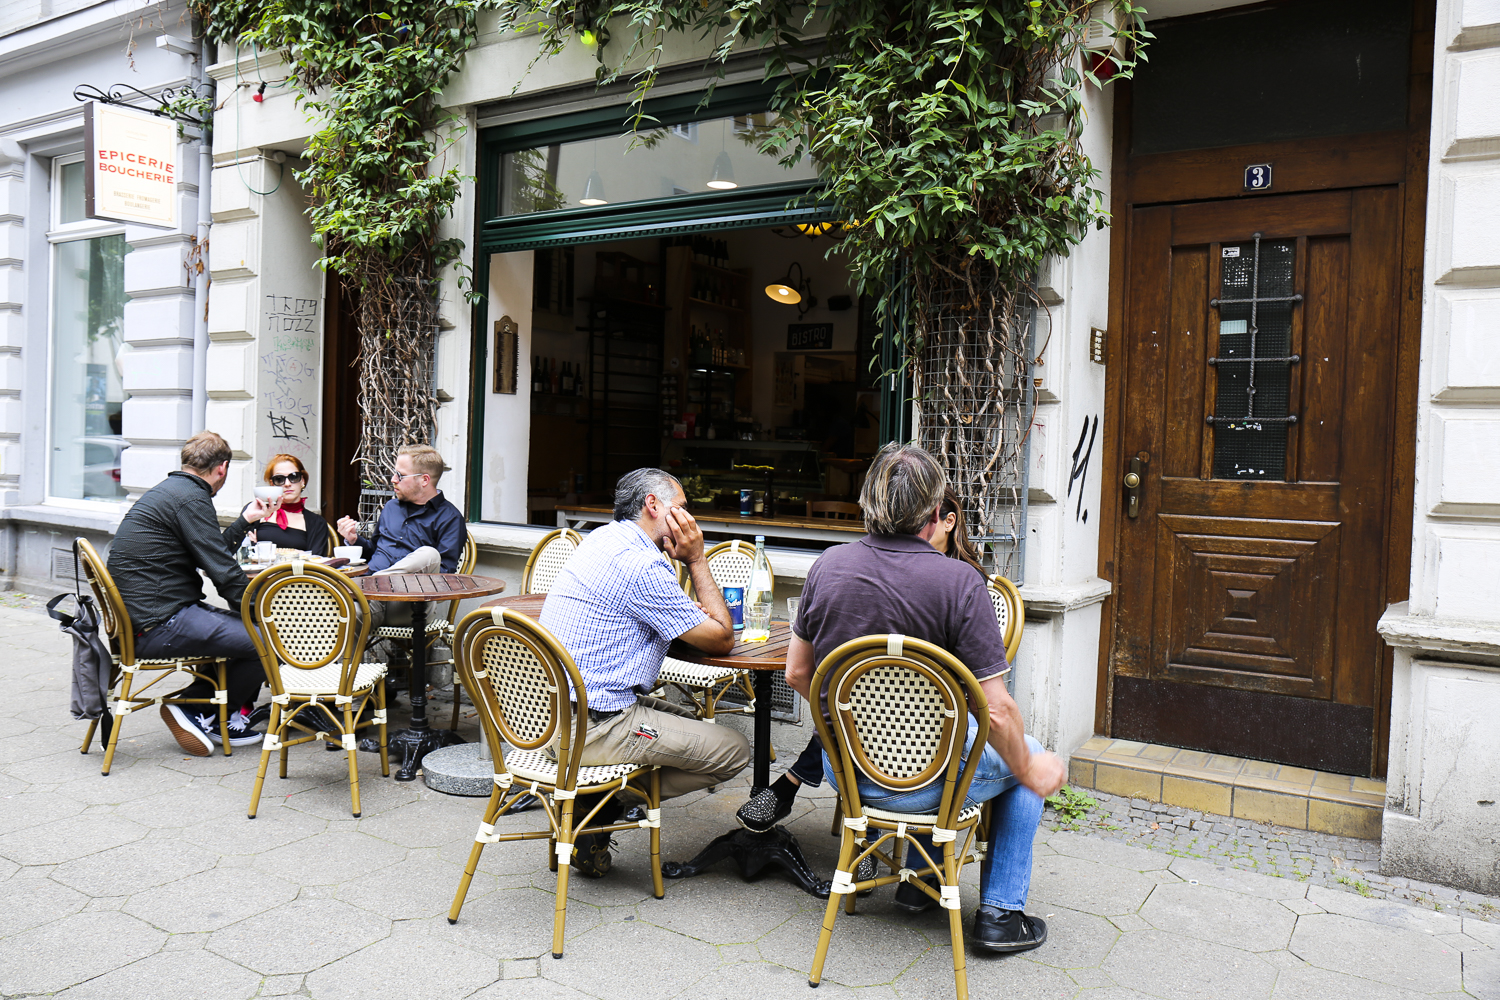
(721, 154)
(86, 396)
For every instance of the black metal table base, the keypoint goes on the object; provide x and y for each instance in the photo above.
(754, 853)
(409, 746)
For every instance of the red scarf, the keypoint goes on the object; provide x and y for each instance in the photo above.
(288, 507)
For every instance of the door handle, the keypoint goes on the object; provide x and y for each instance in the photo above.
(1133, 489)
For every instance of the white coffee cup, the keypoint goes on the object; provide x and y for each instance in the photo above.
(353, 553)
(267, 494)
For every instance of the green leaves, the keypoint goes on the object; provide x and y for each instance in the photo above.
(374, 76)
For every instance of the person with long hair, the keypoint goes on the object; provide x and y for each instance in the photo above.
(292, 525)
(950, 535)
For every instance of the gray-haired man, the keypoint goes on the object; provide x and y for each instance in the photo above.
(615, 607)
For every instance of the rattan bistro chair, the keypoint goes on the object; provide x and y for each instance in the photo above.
(730, 564)
(310, 624)
(129, 694)
(1010, 613)
(899, 708)
(520, 677)
(547, 559)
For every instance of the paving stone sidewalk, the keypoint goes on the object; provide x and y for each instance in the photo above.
(151, 883)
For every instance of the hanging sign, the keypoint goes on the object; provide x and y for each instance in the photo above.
(130, 162)
(809, 336)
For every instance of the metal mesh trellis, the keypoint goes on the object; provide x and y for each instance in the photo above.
(972, 384)
(398, 323)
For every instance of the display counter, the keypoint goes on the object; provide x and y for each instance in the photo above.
(805, 529)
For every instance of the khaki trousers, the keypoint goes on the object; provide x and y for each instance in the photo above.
(693, 754)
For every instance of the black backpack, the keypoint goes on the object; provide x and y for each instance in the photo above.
(93, 666)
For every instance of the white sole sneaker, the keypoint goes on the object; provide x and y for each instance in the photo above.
(188, 736)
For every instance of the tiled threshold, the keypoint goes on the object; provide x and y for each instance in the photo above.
(1254, 790)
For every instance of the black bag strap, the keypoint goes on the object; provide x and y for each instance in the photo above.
(61, 616)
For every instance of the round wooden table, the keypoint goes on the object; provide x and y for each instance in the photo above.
(419, 739)
(752, 852)
(251, 569)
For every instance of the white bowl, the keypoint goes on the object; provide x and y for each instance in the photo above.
(267, 493)
(353, 553)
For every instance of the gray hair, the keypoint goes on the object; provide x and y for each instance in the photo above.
(633, 488)
(904, 486)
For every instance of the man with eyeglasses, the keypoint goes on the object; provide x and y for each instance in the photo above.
(419, 530)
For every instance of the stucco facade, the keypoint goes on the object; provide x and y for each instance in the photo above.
(267, 358)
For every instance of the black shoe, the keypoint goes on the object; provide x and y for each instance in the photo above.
(591, 857)
(914, 900)
(259, 717)
(240, 733)
(864, 871)
(1007, 931)
(764, 810)
(191, 736)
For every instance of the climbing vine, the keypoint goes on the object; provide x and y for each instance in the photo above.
(948, 135)
(372, 73)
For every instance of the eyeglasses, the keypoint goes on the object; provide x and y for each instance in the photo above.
(290, 477)
(397, 477)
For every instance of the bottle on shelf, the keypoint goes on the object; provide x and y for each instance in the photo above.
(553, 377)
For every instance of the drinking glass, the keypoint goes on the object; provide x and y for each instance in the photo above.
(757, 622)
(792, 603)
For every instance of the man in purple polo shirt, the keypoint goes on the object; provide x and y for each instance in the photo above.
(893, 580)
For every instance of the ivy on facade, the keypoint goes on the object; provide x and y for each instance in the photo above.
(373, 75)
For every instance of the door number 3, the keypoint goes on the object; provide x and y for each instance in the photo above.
(1258, 177)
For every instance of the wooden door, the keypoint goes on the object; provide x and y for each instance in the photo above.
(1253, 572)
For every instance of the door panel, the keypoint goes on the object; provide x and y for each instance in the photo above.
(1252, 579)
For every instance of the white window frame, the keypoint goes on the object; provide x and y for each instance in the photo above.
(58, 233)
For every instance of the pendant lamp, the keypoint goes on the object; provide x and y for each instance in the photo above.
(593, 191)
(723, 176)
(792, 290)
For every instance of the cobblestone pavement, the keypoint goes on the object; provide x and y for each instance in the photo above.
(1315, 858)
(151, 883)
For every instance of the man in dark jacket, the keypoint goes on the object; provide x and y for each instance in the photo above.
(163, 541)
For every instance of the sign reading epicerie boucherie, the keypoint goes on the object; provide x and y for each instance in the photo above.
(131, 159)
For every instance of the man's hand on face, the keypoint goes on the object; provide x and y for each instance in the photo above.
(684, 539)
(349, 528)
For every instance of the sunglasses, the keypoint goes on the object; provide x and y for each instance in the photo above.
(291, 477)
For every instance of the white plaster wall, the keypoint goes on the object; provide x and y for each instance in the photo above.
(1440, 820)
(507, 418)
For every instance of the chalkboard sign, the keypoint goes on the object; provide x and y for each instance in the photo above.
(809, 336)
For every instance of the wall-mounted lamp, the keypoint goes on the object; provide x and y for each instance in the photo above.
(793, 291)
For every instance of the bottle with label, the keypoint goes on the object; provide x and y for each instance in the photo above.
(758, 590)
(567, 378)
(552, 366)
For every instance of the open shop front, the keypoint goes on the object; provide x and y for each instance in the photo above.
(714, 336)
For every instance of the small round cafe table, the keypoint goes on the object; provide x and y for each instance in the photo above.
(415, 742)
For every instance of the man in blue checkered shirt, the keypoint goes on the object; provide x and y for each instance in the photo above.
(615, 607)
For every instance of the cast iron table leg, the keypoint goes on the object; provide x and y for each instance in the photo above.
(412, 744)
(755, 852)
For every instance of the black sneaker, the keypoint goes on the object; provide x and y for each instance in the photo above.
(260, 717)
(191, 736)
(764, 810)
(1007, 931)
(864, 871)
(240, 733)
(913, 900)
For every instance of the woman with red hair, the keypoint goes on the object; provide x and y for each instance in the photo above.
(291, 525)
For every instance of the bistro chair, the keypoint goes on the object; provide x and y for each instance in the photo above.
(836, 509)
(547, 559)
(130, 692)
(1010, 612)
(730, 564)
(334, 540)
(899, 710)
(520, 677)
(309, 624)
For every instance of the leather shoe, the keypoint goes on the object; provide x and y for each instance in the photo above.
(1007, 931)
(913, 900)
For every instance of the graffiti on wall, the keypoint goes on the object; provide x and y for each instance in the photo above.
(1080, 471)
(289, 389)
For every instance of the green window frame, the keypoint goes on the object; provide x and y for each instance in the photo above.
(768, 205)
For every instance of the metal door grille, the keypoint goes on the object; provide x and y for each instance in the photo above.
(1254, 364)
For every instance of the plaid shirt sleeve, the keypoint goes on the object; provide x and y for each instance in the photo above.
(658, 603)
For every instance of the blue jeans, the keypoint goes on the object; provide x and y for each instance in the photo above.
(1005, 872)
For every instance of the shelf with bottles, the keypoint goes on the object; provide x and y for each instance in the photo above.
(550, 377)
